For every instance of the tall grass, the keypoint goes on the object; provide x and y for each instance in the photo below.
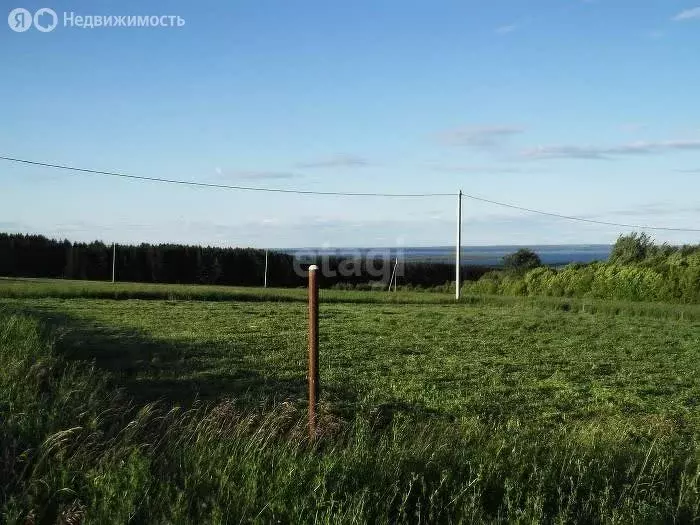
(74, 450)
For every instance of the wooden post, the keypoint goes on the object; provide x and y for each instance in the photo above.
(313, 349)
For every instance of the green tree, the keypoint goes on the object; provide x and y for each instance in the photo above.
(521, 261)
(632, 248)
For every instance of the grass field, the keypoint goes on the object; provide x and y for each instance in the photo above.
(494, 409)
(39, 288)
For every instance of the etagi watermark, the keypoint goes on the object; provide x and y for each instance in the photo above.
(379, 264)
(46, 20)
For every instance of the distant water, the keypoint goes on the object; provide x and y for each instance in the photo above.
(475, 255)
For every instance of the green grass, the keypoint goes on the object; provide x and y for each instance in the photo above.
(22, 288)
(489, 410)
(489, 362)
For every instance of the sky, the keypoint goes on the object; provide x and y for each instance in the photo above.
(586, 108)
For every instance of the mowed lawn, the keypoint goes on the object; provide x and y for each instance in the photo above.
(494, 363)
(506, 410)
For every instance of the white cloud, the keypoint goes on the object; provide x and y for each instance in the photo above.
(255, 175)
(606, 152)
(265, 175)
(504, 30)
(656, 209)
(479, 137)
(336, 161)
(688, 14)
(478, 170)
(633, 127)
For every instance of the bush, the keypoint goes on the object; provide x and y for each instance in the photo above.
(637, 271)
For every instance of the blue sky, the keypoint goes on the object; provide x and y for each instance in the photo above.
(585, 108)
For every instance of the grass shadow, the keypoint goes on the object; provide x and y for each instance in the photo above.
(179, 372)
(175, 372)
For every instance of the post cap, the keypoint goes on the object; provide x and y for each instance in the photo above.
(313, 268)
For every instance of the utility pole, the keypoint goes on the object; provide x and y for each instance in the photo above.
(265, 280)
(458, 251)
(114, 260)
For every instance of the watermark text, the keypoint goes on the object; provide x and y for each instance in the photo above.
(379, 265)
(46, 20)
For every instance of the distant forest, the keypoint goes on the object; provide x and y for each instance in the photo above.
(39, 256)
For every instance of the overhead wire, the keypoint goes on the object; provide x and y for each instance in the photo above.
(339, 193)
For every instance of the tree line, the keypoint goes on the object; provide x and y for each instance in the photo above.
(38, 256)
(638, 269)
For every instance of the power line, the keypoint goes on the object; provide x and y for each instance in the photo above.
(580, 219)
(339, 193)
(221, 186)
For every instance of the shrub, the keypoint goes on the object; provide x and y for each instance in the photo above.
(638, 271)
(631, 248)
